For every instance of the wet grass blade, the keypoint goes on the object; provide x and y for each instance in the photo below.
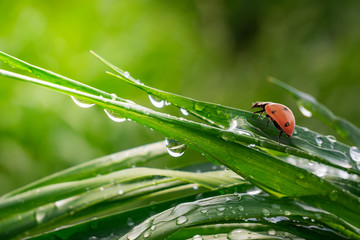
(55, 201)
(55, 192)
(104, 165)
(232, 208)
(118, 217)
(238, 126)
(311, 106)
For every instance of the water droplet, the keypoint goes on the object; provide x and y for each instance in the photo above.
(195, 187)
(126, 74)
(331, 138)
(175, 148)
(244, 132)
(287, 213)
(319, 140)
(130, 222)
(167, 103)
(233, 125)
(305, 111)
(63, 202)
(203, 210)
(40, 214)
(221, 209)
(120, 192)
(275, 206)
(271, 232)
(184, 111)
(333, 195)
(266, 212)
(157, 102)
(101, 188)
(147, 234)
(82, 103)
(152, 227)
(355, 154)
(116, 117)
(197, 237)
(181, 220)
(113, 96)
(241, 208)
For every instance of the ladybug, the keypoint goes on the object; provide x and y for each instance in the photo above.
(280, 115)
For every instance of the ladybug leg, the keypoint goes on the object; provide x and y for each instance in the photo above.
(267, 121)
(280, 135)
(261, 112)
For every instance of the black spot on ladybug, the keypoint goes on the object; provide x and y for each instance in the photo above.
(287, 124)
(273, 111)
(285, 109)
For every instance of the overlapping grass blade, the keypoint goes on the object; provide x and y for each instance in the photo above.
(118, 217)
(103, 165)
(232, 208)
(59, 200)
(52, 77)
(55, 192)
(308, 103)
(240, 128)
(279, 229)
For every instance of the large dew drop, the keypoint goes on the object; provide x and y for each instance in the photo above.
(40, 215)
(82, 103)
(355, 154)
(304, 111)
(181, 220)
(184, 111)
(197, 237)
(175, 148)
(126, 74)
(233, 125)
(157, 102)
(114, 116)
(319, 140)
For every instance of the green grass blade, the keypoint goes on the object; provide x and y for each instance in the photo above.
(225, 209)
(55, 192)
(305, 101)
(103, 165)
(121, 216)
(49, 76)
(53, 202)
(251, 132)
(281, 229)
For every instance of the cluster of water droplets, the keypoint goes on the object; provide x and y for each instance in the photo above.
(116, 117)
(174, 147)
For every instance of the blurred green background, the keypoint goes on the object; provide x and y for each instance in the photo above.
(217, 51)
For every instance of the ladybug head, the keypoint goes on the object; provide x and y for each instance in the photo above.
(259, 105)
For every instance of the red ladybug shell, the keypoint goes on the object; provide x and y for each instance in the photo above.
(282, 115)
